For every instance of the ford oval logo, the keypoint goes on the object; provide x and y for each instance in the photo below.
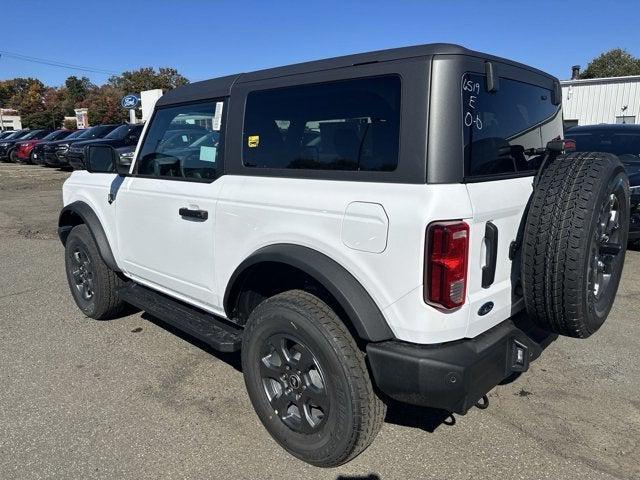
(130, 101)
(486, 308)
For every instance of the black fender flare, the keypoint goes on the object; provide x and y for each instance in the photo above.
(361, 310)
(77, 213)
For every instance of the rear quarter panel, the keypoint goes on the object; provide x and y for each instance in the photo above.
(254, 212)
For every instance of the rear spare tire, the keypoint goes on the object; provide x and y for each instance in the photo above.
(574, 242)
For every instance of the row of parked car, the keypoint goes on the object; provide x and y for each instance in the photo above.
(65, 148)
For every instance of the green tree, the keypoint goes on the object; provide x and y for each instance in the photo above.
(147, 78)
(614, 63)
(104, 106)
(75, 91)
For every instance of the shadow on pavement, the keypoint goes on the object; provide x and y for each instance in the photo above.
(427, 419)
(233, 359)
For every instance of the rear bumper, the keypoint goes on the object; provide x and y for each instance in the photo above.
(454, 376)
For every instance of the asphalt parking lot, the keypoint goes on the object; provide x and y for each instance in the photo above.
(129, 398)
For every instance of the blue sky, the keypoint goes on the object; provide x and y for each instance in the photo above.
(206, 39)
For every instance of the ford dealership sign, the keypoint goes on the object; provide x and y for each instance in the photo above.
(130, 101)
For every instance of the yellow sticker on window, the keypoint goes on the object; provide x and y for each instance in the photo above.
(253, 141)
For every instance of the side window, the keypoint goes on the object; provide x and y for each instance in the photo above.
(183, 142)
(344, 125)
(500, 127)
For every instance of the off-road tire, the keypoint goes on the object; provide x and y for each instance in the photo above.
(355, 413)
(103, 302)
(563, 241)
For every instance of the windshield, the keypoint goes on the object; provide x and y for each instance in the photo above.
(55, 135)
(76, 134)
(18, 135)
(625, 145)
(120, 132)
(31, 134)
(88, 133)
(100, 131)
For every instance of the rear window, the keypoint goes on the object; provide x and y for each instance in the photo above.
(499, 127)
(345, 125)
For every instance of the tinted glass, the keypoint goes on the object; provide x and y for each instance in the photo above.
(76, 134)
(100, 131)
(34, 134)
(346, 125)
(500, 127)
(183, 142)
(123, 130)
(626, 145)
(88, 132)
(55, 135)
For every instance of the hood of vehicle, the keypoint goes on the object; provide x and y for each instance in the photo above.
(60, 142)
(9, 143)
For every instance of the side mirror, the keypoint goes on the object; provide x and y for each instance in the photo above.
(104, 159)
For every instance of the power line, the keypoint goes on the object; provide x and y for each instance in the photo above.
(55, 63)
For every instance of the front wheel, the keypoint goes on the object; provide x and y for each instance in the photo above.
(93, 284)
(308, 381)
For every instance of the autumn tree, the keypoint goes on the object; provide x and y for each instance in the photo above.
(614, 63)
(45, 107)
(147, 78)
(103, 104)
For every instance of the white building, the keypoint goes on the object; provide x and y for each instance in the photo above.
(9, 119)
(601, 100)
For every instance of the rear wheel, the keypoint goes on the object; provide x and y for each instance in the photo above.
(308, 381)
(93, 284)
(575, 240)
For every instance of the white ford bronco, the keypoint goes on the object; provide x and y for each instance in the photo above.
(403, 224)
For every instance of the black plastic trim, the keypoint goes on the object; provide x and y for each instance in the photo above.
(489, 270)
(90, 219)
(358, 305)
(454, 376)
(414, 98)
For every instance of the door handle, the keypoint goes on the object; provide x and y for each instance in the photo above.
(489, 270)
(197, 214)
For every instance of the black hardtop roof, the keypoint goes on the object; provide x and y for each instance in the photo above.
(608, 127)
(221, 87)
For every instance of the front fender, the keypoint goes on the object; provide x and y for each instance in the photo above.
(78, 213)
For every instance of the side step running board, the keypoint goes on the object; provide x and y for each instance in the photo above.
(214, 331)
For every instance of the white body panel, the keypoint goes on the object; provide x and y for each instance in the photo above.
(489, 205)
(193, 261)
(159, 246)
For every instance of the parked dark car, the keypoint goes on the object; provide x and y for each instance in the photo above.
(12, 149)
(24, 148)
(7, 143)
(55, 153)
(6, 133)
(37, 154)
(622, 140)
(123, 136)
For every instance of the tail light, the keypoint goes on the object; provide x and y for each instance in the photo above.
(569, 145)
(447, 247)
